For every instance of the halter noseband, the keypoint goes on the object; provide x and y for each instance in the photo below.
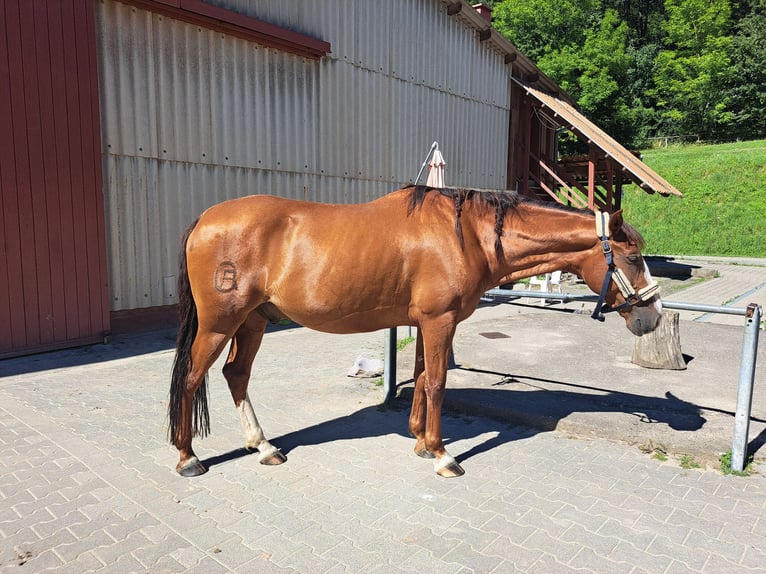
(632, 297)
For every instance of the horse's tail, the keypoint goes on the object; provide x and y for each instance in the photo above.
(187, 332)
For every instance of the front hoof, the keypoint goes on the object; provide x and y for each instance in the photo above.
(193, 467)
(422, 451)
(451, 471)
(447, 467)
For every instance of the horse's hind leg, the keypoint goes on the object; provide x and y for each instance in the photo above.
(244, 347)
(205, 350)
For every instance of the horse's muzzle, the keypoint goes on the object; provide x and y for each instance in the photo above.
(644, 319)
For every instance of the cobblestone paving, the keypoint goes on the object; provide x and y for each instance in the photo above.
(87, 481)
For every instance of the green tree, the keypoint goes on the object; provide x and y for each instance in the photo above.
(605, 65)
(645, 35)
(594, 73)
(643, 67)
(746, 82)
(583, 49)
(641, 16)
(690, 72)
(541, 27)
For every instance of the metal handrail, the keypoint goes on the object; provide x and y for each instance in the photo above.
(569, 297)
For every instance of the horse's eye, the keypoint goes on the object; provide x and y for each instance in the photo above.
(634, 259)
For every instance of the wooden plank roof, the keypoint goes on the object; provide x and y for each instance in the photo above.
(567, 116)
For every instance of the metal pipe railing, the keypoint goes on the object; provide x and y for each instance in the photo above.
(746, 383)
(569, 297)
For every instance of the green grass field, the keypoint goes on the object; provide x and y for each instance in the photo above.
(723, 211)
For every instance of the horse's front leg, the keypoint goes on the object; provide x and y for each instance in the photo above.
(244, 347)
(418, 410)
(437, 342)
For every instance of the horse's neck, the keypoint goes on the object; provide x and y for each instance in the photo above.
(538, 240)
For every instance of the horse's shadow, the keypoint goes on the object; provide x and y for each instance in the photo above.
(534, 411)
(534, 403)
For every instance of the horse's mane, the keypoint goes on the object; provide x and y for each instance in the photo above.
(500, 202)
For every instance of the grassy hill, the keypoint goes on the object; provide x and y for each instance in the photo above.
(723, 211)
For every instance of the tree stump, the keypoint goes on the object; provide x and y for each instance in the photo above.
(660, 349)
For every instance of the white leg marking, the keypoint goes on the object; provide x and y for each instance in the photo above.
(443, 462)
(253, 431)
(254, 437)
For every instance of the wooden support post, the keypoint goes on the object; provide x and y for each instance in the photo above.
(610, 201)
(592, 160)
(660, 349)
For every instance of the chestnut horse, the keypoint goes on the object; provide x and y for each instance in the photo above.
(418, 256)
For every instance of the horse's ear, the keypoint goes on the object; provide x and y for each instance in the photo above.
(615, 222)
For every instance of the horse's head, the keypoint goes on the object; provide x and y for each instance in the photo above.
(616, 270)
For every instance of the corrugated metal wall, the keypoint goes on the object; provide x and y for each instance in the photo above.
(192, 117)
(53, 279)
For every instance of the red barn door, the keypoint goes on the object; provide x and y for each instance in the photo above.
(53, 276)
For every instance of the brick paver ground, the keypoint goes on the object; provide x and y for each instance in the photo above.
(87, 480)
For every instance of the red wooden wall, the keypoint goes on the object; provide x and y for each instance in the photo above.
(53, 276)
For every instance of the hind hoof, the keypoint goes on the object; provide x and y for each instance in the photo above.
(193, 467)
(273, 458)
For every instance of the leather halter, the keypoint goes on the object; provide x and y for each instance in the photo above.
(632, 297)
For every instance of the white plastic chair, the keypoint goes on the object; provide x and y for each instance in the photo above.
(548, 283)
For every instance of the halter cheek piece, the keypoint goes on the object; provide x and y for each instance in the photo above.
(632, 297)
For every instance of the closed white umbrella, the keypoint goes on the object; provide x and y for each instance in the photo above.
(436, 169)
